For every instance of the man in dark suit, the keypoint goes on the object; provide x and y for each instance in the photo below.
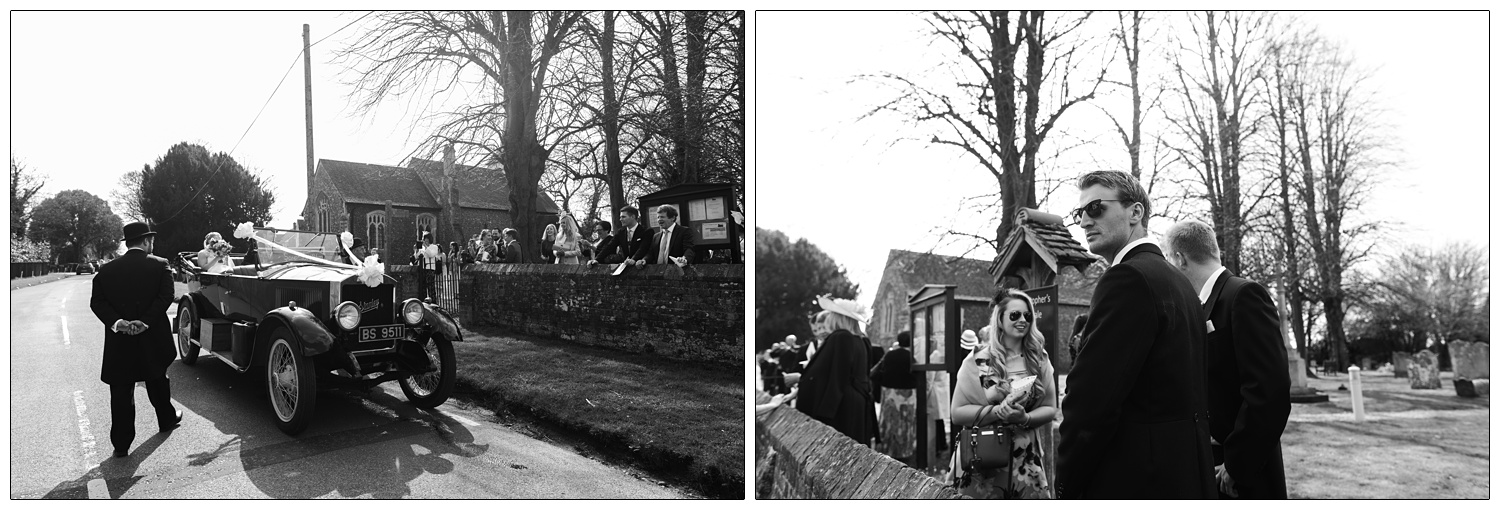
(130, 296)
(628, 243)
(673, 244)
(512, 252)
(1249, 389)
(1135, 419)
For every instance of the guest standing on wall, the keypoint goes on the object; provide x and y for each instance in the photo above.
(549, 236)
(512, 253)
(567, 246)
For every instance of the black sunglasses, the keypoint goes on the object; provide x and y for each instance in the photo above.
(1016, 314)
(1094, 209)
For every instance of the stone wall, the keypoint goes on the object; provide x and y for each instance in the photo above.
(695, 313)
(797, 457)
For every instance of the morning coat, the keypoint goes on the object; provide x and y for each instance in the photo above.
(1249, 389)
(135, 286)
(1135, 419)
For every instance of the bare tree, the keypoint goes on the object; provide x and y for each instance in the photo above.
(503, 56)
(999, 119)
(1336, 145)
(695, 97)
(1218, 71)
(25, 184)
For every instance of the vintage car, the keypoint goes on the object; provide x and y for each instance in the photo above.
(296, 320)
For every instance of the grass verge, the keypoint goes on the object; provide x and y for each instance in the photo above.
(680, 421)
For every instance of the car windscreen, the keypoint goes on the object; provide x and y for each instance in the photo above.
(313, 244)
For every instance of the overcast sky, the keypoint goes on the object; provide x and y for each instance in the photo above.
(120, 88)
(842, 185)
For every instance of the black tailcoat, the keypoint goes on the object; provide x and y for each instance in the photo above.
(1135, 421)
(1249, 389)
(628, 246)
(135, 286)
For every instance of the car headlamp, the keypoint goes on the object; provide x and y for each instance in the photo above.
(347, 315)
(411, 311)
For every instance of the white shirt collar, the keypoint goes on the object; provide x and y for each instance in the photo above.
(1208, 286)
(1120, 256)
(669, 229)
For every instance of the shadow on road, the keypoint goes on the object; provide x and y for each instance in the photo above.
(397, 442)
(118, 473)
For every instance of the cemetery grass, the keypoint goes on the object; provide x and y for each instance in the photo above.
(680, 421)
(1424, 444)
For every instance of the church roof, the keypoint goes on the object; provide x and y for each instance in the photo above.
(418, 183)
(374, 184)
(476, 187)
(916, 269)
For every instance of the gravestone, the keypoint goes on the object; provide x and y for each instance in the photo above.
(1401, 360)
(1366, 363)
(1471, 360)
(1424, 371)
(1300, 392)
(1465, 388)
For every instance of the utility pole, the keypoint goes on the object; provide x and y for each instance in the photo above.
(307, 81)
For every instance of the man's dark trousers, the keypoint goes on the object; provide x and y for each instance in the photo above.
(122, 409)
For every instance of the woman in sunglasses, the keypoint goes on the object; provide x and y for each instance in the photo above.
(1013, 350)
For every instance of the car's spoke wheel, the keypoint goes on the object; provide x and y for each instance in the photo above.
(187, 324)
(290, 382)
(432, 388)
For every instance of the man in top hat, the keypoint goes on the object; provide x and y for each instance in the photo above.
(131, 296)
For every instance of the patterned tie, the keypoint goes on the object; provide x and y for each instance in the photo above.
(666, 235)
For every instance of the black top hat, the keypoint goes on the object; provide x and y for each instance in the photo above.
(137, 229)
(357, 243)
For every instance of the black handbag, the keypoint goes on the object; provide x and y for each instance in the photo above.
(985, 447)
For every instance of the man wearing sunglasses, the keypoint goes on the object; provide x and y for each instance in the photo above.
(1135, 420)
(1245, 367)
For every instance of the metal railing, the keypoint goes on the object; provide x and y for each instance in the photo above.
(446, 288)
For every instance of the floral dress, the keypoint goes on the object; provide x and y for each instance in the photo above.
(1026, 479)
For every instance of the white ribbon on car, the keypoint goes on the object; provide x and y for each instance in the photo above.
(370, 273)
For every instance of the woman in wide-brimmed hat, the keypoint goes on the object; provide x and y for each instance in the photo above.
(835, 387)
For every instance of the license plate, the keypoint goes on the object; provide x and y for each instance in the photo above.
(378, 333)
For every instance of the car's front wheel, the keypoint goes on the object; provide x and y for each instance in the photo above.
(187, 324)
(431, 389)
(291, 382)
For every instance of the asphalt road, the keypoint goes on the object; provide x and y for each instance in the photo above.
(360, 444)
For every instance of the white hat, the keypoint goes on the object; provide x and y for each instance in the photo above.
(969, 340)
(846, 307)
